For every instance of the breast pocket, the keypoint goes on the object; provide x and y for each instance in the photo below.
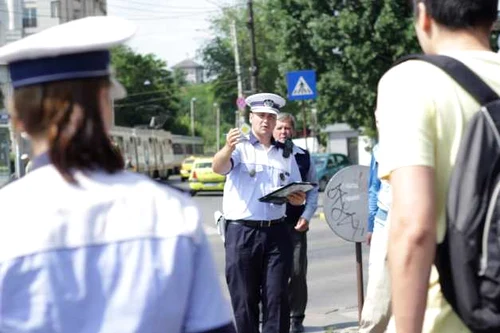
(252, 172)
(280, 175)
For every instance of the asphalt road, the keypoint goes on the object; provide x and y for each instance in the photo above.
(333, 300)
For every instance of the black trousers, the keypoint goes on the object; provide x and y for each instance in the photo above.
(297, 288)
(258, 264)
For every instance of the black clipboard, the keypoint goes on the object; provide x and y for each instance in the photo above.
(279, 196)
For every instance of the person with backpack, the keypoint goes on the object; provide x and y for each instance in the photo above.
(439, 140)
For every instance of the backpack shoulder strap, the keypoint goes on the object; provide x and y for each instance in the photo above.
(465, 77)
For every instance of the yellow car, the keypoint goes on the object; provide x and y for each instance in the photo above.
(186, 166)
(203, 178)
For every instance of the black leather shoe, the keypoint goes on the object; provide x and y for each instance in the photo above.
(296, 327)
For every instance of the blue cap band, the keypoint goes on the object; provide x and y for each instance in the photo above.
(65, 67)
(266, 104)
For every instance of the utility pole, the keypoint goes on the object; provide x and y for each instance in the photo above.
(217, 131)
(254, 70)
(241, 119)
(314, 121)
(193, 100)
(237, 58)
(304, 122)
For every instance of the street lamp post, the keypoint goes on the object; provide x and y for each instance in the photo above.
(193, 100)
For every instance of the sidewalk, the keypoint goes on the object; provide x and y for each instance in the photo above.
(333, 321)
(339, 320)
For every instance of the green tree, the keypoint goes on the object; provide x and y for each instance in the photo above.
(350, 44)
(219, 60)
(204, 112)
(152, 90)
(179, 77)
(219, 63)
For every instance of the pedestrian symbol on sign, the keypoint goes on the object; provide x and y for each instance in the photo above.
(301, 85)
(302, 88)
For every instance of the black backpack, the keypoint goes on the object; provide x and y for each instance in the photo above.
(468, 260)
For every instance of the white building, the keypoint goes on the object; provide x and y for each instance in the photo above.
(11, 27)
(75, 9)
(21, 18)
(38, 15)
(343, 139)
(192, 70)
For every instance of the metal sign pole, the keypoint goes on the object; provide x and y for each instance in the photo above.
(304, 118)
(359, 276)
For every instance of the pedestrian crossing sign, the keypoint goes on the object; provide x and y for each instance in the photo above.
(301, 85)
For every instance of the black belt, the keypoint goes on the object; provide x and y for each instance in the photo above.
(258, 223)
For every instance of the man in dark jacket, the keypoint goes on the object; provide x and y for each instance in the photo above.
(298, 218)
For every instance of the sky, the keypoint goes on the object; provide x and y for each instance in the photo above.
(173, 30)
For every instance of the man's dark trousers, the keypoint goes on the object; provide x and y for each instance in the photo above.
(297, 287)
(258, 264)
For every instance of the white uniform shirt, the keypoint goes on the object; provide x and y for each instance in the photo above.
(256, 171)
(118, 253)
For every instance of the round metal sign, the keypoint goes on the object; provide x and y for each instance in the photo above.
(346, 203)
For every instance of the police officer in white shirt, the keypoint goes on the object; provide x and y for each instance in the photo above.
(257, 241)
(84, 245)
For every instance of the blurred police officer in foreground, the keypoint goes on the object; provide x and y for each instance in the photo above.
(84, 245)
(257, 241)
(297, 219)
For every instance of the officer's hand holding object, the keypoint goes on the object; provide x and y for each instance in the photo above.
(297, 198)
(233, 138)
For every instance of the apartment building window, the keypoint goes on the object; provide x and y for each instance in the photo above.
(55, 8)
(29, 18)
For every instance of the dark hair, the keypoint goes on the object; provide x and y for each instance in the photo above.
(68, 115)
(461, 14)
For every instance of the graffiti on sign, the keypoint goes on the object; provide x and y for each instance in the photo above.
(346, 203)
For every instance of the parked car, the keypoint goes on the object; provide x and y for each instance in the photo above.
(186, 166)
(327, 165)
(203, 178)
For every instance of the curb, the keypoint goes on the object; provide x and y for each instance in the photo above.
(320, 216)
